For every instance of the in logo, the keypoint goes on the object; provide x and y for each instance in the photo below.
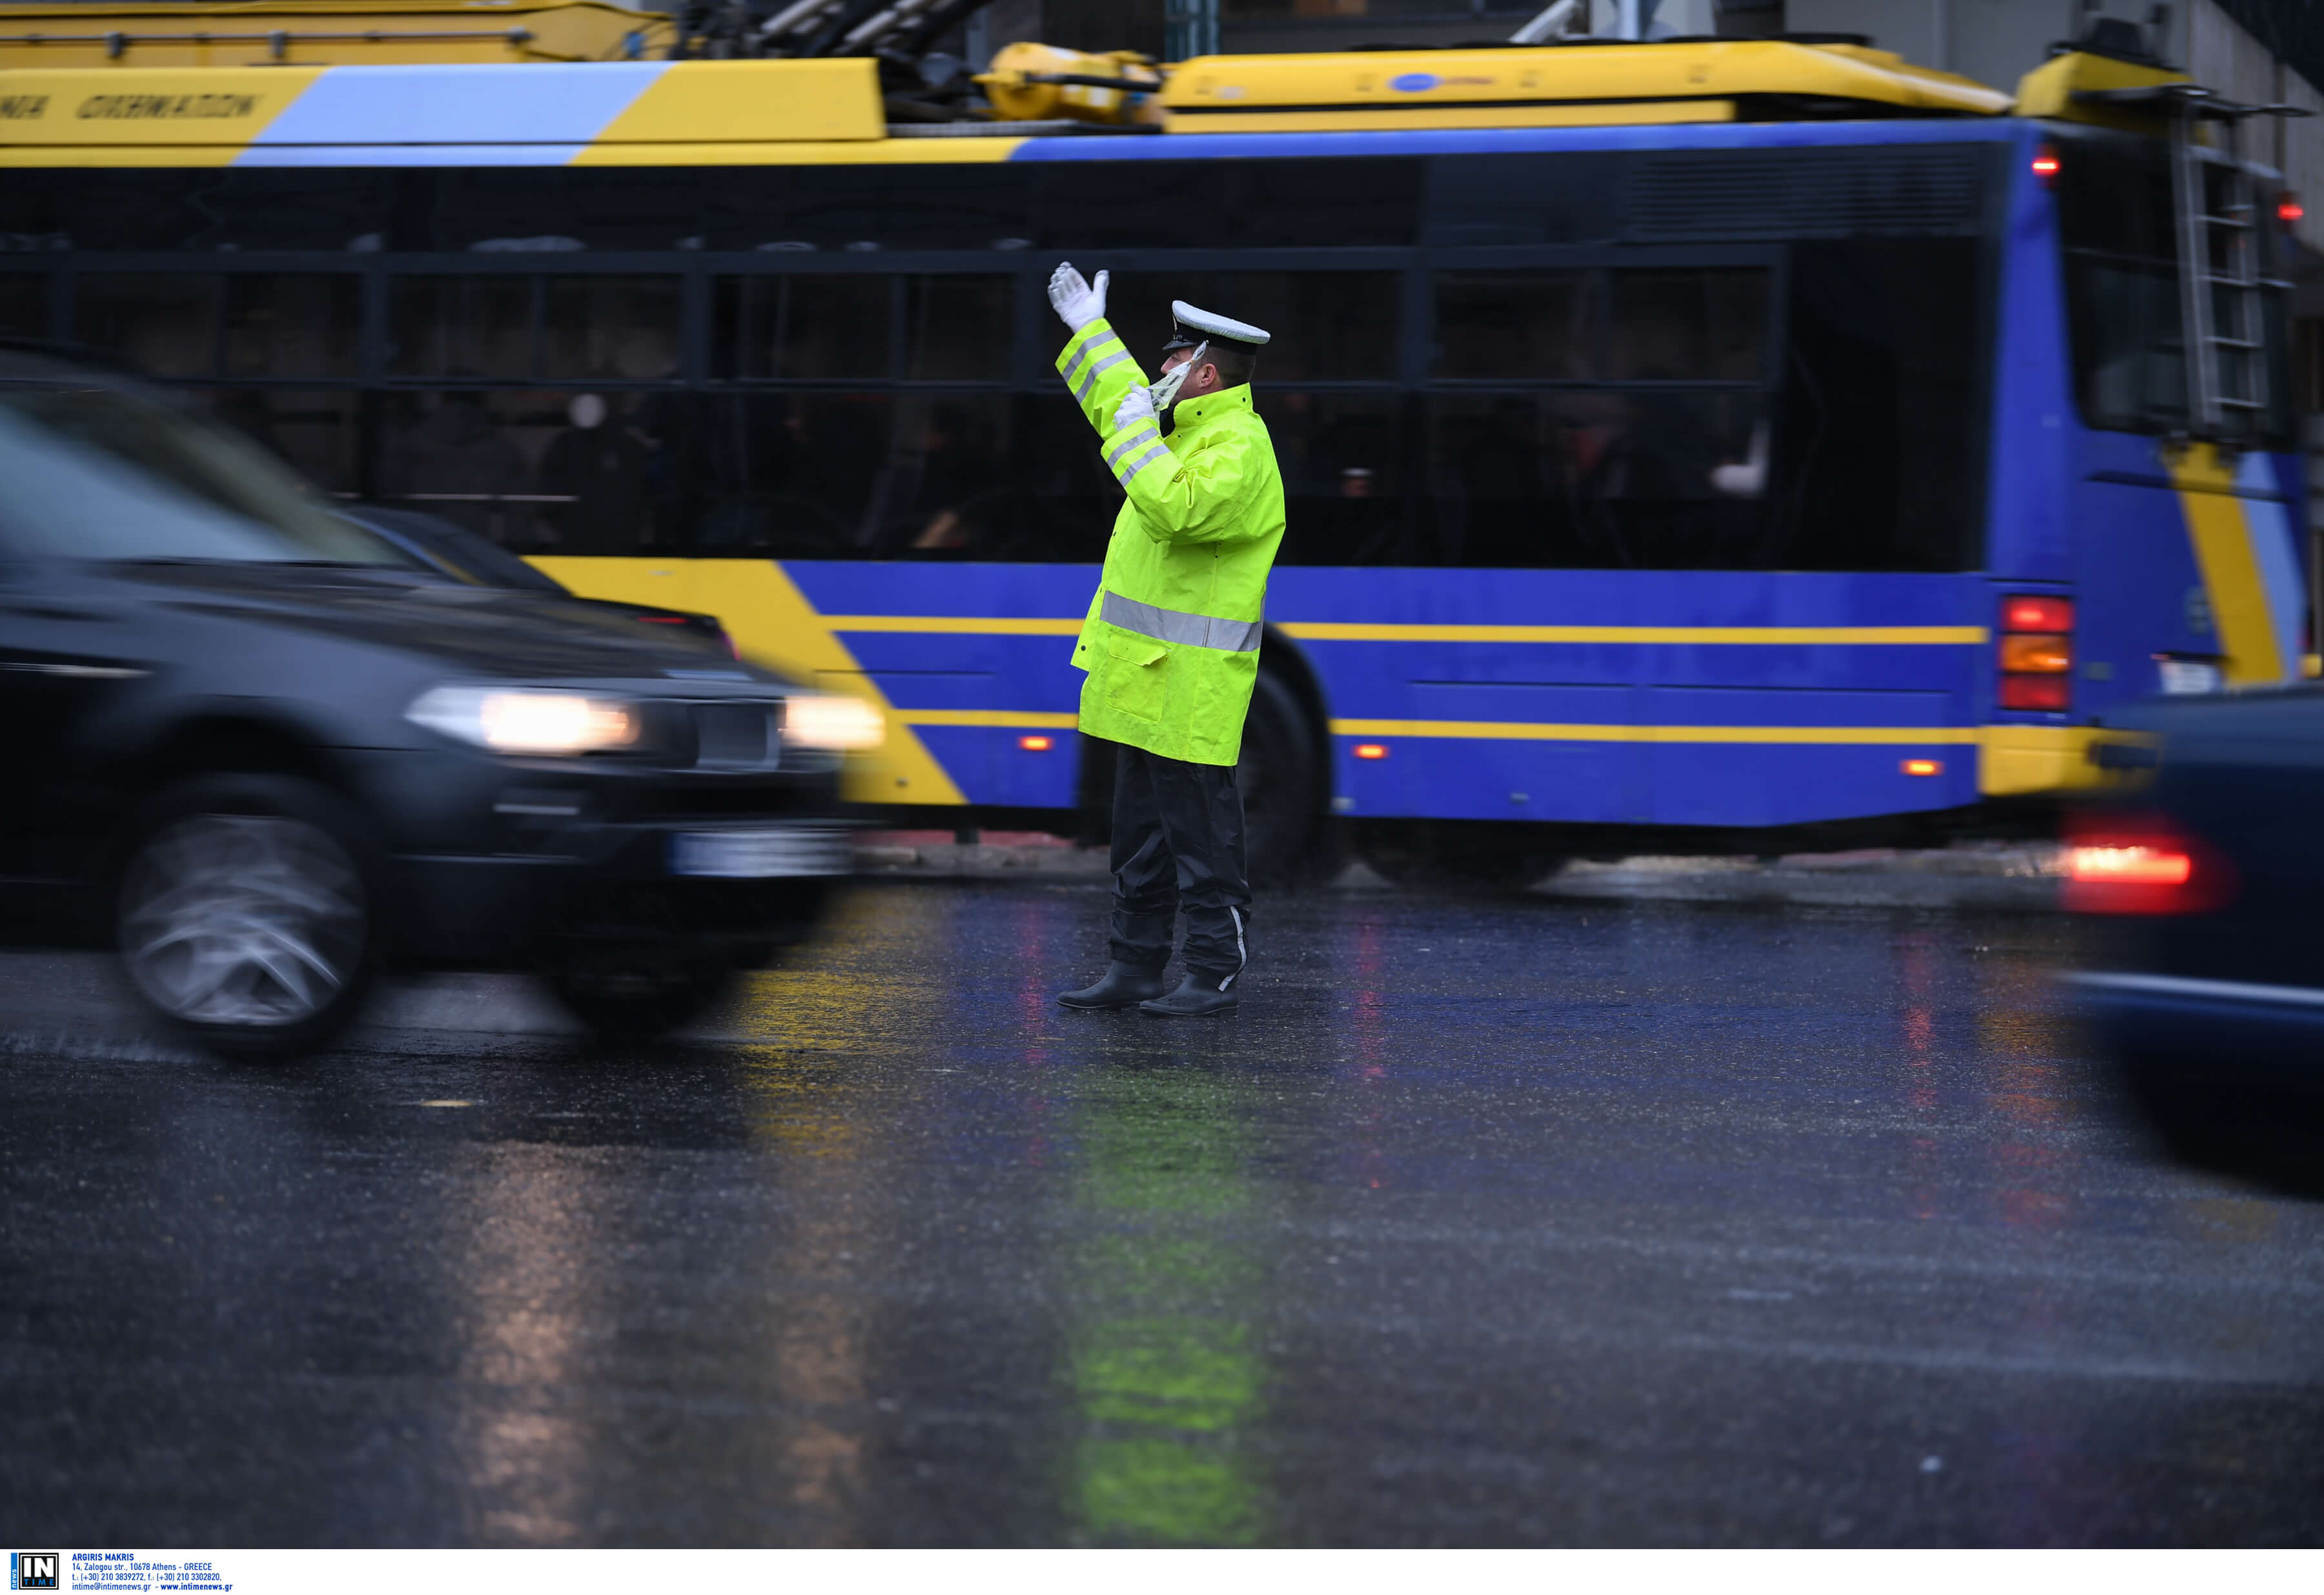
(32, 1569)
(1415, 82)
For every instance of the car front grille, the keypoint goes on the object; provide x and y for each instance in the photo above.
(737, 735)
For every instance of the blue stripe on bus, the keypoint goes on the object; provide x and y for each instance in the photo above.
(539, 103)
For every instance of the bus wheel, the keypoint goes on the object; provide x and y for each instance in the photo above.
(1456, 855)
(1281, 779)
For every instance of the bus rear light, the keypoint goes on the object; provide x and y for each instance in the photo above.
(1371, 750)
(2048, 694)
(2046, 164)
(2141, 864)
(2027, 612)
(2288, 211)
(1924, 767)
(2035, 655)
(1036, 744)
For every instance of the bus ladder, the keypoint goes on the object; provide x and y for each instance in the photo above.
(2222, 294)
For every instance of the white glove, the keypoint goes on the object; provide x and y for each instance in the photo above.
(1077, 303)
(1137, 405)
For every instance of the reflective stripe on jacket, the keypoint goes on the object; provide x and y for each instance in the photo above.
(1171, 642)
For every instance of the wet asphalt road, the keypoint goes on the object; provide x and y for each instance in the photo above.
(1544, 1222)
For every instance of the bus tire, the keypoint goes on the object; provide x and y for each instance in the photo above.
(1281, 778)
(1475, 857)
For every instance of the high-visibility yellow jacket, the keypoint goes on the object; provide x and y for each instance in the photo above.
(1171, 642)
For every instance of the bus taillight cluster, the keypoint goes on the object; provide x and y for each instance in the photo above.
(2037, 653)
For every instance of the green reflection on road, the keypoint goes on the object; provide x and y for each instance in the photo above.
(1166, 1370)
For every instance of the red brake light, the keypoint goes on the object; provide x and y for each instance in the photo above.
(2029, 613)
(2050, 694)
(2141, 864)
(2035, 655)
(2288, 211)
(2045, 163)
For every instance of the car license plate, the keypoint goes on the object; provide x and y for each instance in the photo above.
(758, 854)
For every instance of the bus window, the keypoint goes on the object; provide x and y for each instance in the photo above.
(1595, 477)
(2117, 231)
(539, 472)
(25, 304)
(1532, 326)
(163, 324)
(464, 326)
(287, 325)
(317, 430)
(1878, 464)
(806, 326)
(1689, 325)
(1512, 198)
(520, 327)
(610, 329)
(1343, 476)
(1322, 326)
(958, 328)
(1249, 204)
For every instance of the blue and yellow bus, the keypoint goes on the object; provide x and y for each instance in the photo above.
(1687, 444)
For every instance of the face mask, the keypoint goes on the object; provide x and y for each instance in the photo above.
(1166, 392)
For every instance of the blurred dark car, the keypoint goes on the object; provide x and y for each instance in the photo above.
(266, 753)
(461, 554)
(2209, 990)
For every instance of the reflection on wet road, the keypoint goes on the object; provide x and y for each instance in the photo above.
(1541, 1222)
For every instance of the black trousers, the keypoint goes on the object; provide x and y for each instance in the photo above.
(1177, 843)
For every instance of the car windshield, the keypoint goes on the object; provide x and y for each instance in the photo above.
(102, 474)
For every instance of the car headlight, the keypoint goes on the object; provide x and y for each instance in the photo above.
(527, 721)
(841, 724)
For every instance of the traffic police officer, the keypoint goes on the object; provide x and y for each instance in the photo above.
(1171, 642)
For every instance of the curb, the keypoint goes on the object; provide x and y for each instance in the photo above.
(2007, 877)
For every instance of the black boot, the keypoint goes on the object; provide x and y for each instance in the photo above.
(1198, 996)
(1124, 985)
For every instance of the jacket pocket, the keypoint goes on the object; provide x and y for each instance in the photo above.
(1137, 676)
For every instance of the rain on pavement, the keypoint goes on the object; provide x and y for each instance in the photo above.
(1482, 1222)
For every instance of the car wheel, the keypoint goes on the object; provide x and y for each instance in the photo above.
(637, 994)
(1280, 778)
(243, 916)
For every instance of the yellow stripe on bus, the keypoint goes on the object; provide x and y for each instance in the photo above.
(1510, 731)
(1357, 631)
(1362, 632)
(955, 625)
(2230, 569)
(1011, 719)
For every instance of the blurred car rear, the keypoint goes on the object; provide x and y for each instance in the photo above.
(2208, 985)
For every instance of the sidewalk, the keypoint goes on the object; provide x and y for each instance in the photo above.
(2014, 876)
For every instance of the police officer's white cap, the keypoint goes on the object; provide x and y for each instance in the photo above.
(1196, 327)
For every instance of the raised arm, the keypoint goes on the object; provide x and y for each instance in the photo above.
(1097, 367)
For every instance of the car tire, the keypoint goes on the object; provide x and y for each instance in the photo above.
(1280, 776)
(640, 993)
(245, 912)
